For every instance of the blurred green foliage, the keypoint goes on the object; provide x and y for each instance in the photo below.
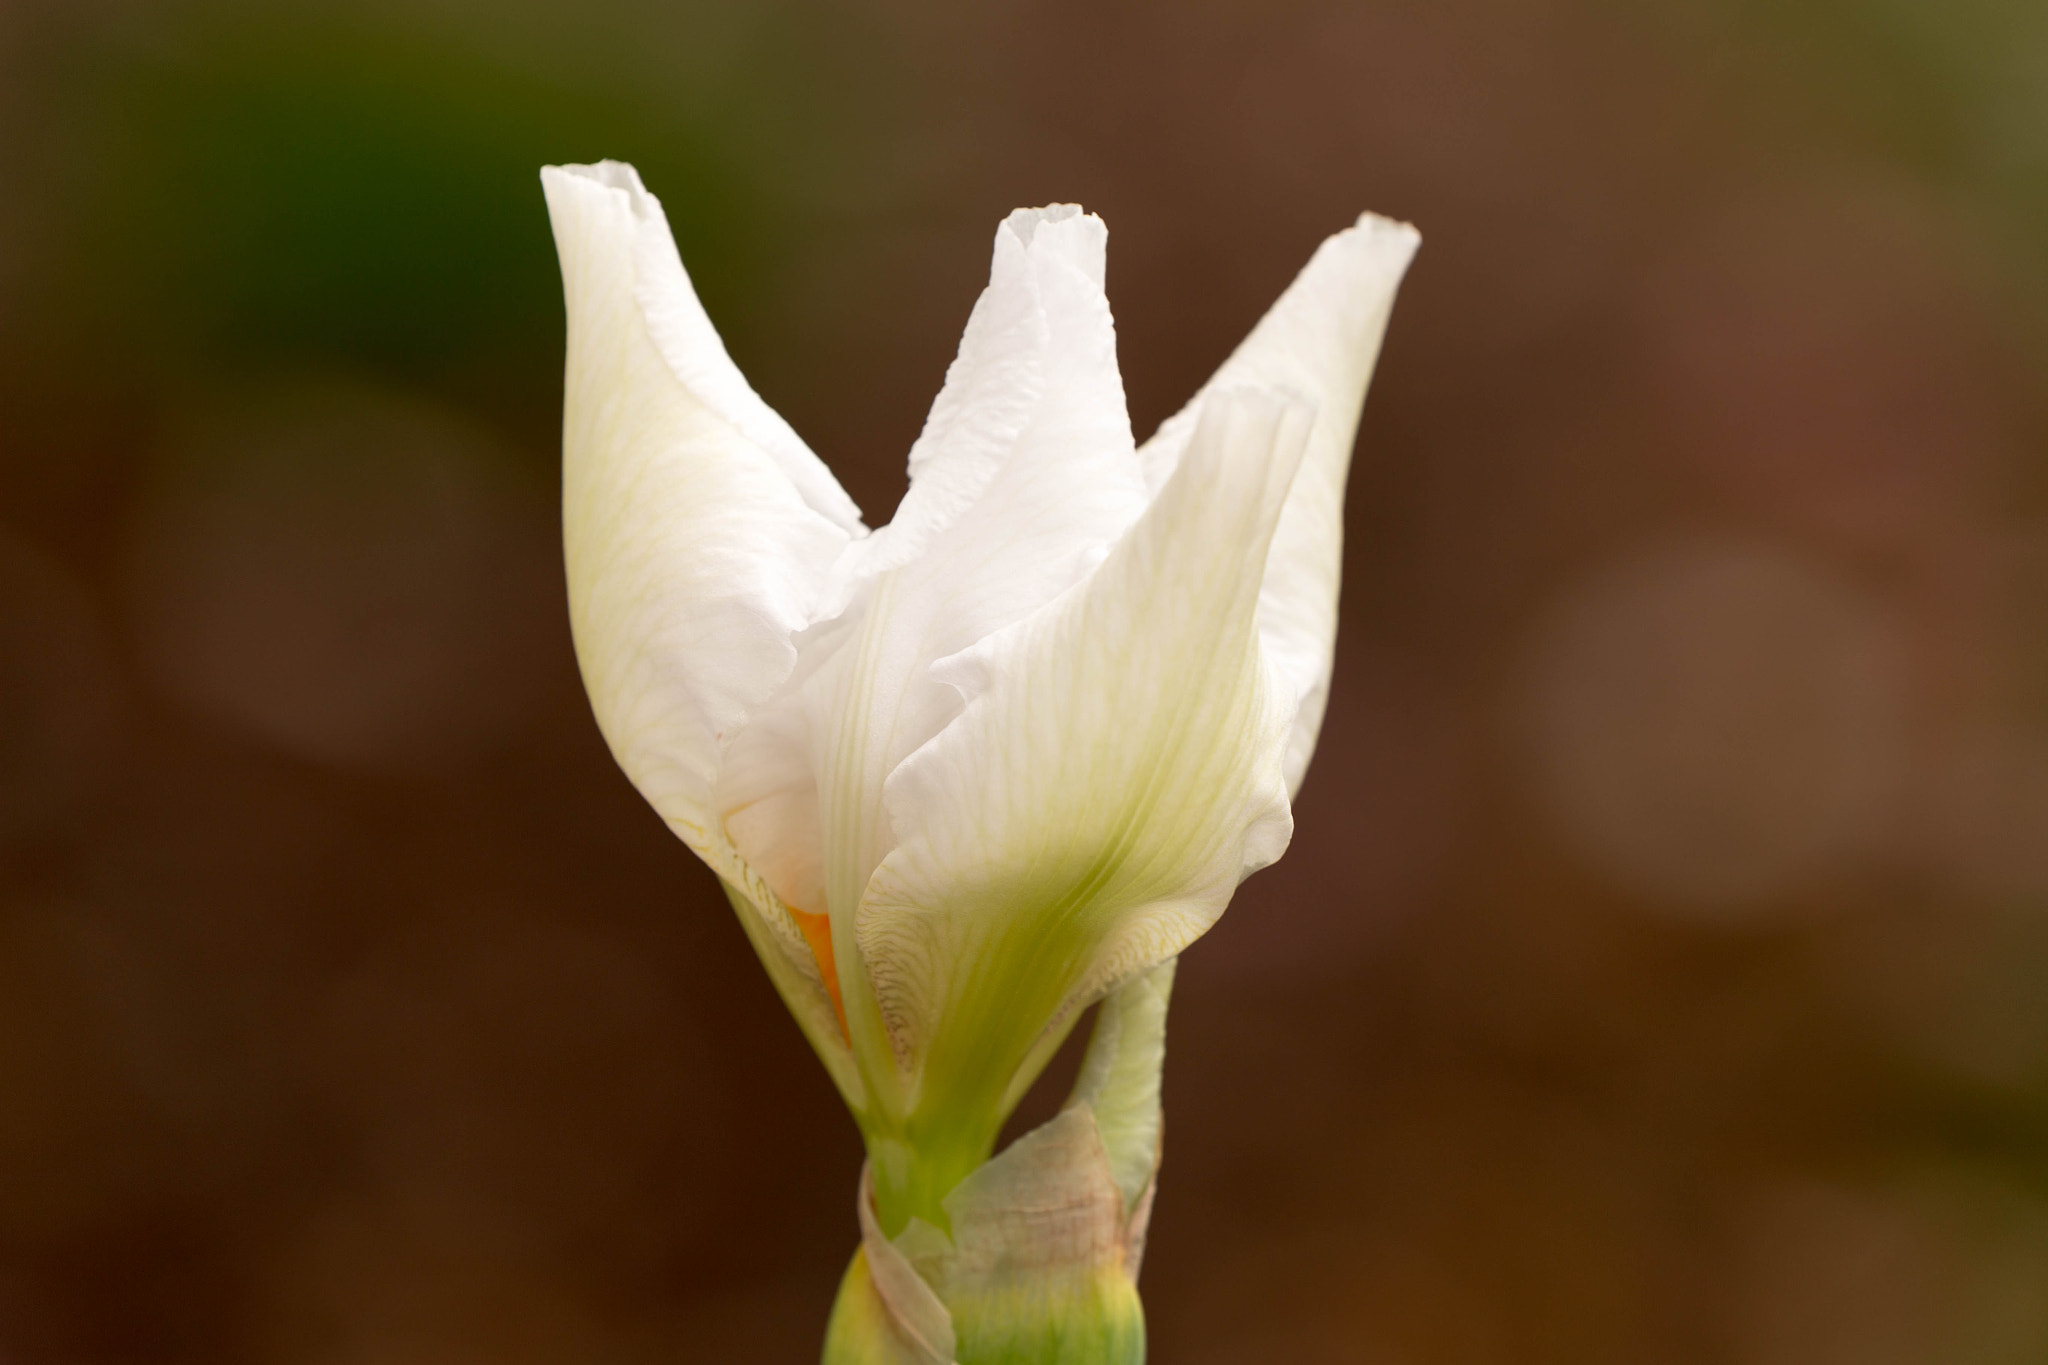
(244, 189)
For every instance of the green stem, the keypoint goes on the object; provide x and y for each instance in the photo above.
(1033, 1257)
(1099, 1322)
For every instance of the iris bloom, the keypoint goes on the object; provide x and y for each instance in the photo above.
(1005, 757)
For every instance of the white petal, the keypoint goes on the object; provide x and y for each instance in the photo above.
(1115, 773)
(768, 788)
(1024, 475)
(1067, 488)
(683, 333)
(992, 388)
(1033, 391)
(693, 553)
(1321, 339)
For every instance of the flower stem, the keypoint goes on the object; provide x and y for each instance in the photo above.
(1033, 1258)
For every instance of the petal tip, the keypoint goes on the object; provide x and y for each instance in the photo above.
(602, 179)
(615, 175)
(1024, 223)
(1389, 238)
(1062, 232)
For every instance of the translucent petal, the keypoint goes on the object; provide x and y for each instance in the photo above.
(1320, 339)
(1114, 775)
(693, 551)
(992, 388)
(1024, 476)
(682, 331)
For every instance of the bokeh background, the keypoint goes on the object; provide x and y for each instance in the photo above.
(1660, 972)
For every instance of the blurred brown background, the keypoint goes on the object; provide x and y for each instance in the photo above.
(1660, 972)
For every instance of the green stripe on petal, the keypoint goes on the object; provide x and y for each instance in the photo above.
(1115, 774)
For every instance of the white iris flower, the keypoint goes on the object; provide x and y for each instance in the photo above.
(971, 772)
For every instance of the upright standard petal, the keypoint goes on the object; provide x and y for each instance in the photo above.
(1114, 775)
(1025, 474)
(1320, 339)
(698, 534)
(1066, 488)
(769, 787)
(696, 354)
(992, 387)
